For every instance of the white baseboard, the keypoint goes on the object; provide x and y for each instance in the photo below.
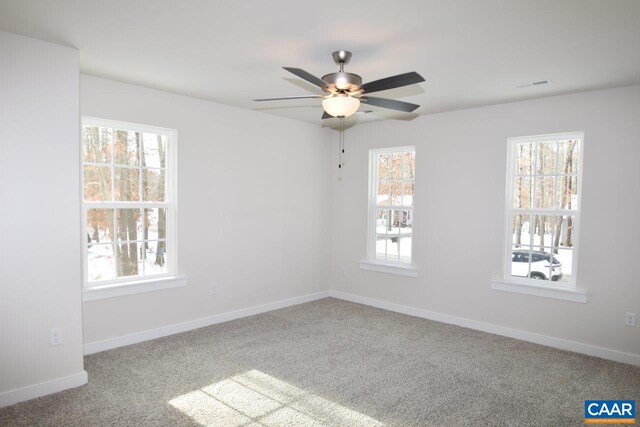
(41, 389)
(604, 353)
(97, 346)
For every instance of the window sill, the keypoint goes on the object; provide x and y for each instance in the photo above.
(130, 288)
(555, 292)
(401, 270)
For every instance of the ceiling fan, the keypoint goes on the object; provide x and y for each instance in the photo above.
(345, 91)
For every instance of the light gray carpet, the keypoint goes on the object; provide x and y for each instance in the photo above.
(332, 362)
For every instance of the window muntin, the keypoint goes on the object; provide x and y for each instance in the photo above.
(391, 201)
(128, 202)
(543, 206)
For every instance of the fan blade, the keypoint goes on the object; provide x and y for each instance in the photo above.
(308, 77)
(326, 115)
(392, 82)
(289, 97)
(407, 107)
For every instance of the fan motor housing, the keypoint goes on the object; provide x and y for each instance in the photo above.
(343, 81)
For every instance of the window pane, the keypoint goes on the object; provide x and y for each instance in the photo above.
(381, 247)
(524, 158)
(407, 199)
(155, 223)
(382, 221)
(521, 230)
(569, 155)
(409, 164)
(155, 261)
(565, 226)
(396, 193)
(395, 223)
(383, 166)
(100, 262)
(97, 144)
(128, 258)
(555, 265)
(545, 191)
(99, 225)
(396, 165)
(127, 185)
(154, 149)
(564, 270)
(568, 192)
(522, 192)
(544, 231)
(97, 183)
(129, 224)
(126, 147)
(405, 249)
(520, 261)
(546, 161)
(406, 222)
(541, 269)
(154, 185)
(383, 197)
(392, 249)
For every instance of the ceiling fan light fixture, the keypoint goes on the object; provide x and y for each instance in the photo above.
(341, 105)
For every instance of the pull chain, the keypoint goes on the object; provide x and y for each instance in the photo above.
(340, 162)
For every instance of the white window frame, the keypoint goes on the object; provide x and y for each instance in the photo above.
(552, 289)
(136, 284)
(371, 263)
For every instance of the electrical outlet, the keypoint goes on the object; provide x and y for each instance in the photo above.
(55, 336)
(344, 271)
(214, 289)
(630, 319)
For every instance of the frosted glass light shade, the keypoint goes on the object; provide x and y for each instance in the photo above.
(341, 105)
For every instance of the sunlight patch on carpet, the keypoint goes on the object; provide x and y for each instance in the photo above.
(255, 398)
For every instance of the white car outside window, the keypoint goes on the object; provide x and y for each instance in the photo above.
(540, 267)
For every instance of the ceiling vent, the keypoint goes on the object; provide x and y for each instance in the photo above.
(536, 83)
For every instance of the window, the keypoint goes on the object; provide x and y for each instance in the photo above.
(129, 202)
(392, 183)
(543, 209)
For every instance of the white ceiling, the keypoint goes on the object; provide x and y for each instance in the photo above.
(471, 52)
